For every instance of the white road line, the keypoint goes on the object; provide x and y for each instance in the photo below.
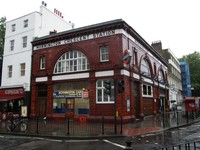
(114, 144)
(51, 140)
(2, 136)
(68, 141)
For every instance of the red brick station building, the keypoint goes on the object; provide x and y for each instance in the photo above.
(69, 70)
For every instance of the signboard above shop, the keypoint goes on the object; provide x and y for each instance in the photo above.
(68, 94)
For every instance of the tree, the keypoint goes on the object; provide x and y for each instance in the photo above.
(194, 64)
(2, 39)
(2, 36)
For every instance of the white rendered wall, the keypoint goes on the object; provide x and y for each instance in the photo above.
(39, 24)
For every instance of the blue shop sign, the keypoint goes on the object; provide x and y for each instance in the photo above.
(68, 94)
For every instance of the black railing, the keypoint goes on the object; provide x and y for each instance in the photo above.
(69, 127)
(189, 145)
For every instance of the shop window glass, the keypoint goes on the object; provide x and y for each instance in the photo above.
(59, 105)
(71, 62)
(81, 104)
(11, 106)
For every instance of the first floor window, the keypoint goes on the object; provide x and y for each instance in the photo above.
(147, 90)
(42, 62)
(101, 96)
(23, 69)
(12, 42)
(104, 53)
(24, 39)
(10, 71)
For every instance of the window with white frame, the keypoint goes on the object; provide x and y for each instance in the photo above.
(26, 23)
(23, 69)
(24, 41)
(145, 69)
(71, 61)
(147, 90)
(12, 43)
(101, 96)
(13, 27)
(42, 62)
(104, 53)
(10, 71)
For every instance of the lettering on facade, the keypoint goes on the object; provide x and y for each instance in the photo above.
(76, 39)
(68, 94)
(14, 91)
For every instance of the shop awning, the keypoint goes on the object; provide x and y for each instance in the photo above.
(189, 98)
(7, 99)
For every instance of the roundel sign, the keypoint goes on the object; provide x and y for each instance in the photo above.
(126, 57)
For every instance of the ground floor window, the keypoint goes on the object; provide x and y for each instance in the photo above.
(71, 97)
(11, 106)
(59, 105)
(147, 90)
(79, 106)
(101, 96)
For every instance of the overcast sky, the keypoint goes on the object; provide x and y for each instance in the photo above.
(176, 23)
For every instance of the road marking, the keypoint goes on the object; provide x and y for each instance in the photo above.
(70, 141)
(114, 144)
(1, 136)
(51, 140)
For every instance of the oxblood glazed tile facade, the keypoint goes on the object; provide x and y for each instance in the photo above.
(69, 70)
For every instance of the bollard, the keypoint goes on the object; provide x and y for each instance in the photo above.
(193, 114)
(177, 118)
(102, 126)
(187, 116)
(121, 123)
(37, 119)
(68, 126)
(128, 144)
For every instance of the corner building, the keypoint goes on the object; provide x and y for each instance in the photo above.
(69, 70)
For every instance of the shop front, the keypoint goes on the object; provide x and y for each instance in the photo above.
(11, 101)
(71, 99)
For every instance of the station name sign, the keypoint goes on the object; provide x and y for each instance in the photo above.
(76, 39)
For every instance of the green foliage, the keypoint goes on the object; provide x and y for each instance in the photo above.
(2, 36)
(194, 64)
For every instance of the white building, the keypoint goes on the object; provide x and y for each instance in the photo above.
(16, 69)
(174, 74)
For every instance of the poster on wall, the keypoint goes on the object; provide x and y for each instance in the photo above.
(23, 111)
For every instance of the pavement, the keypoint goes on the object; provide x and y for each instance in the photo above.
(147, 125)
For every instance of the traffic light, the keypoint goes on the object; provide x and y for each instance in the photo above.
(120, 86)
(107, 85)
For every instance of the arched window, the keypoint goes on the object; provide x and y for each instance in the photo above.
(71, 61)
(161, 76)
(145, 69)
